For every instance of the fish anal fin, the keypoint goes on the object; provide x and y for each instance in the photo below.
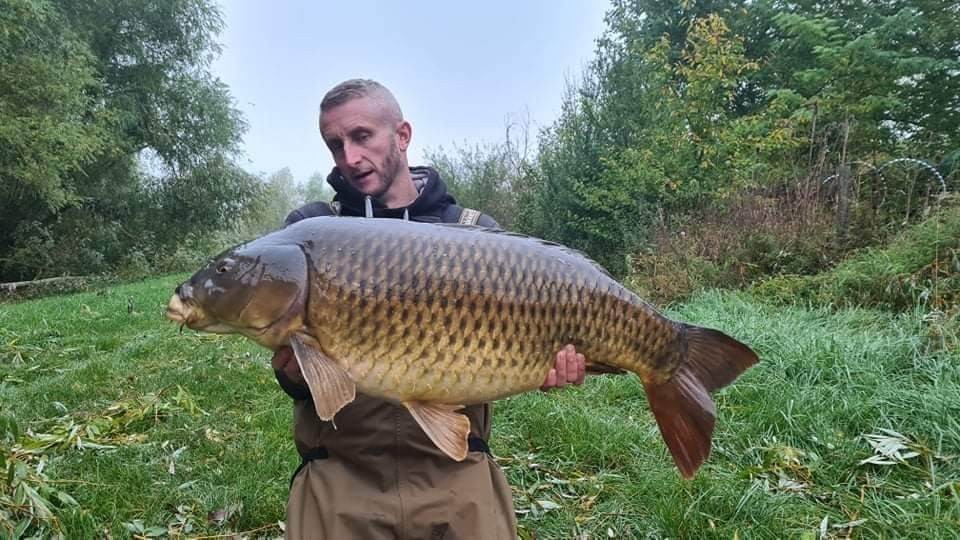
(447, 428)
(330, 385)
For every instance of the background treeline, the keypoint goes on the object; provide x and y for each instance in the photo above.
(708, 143)
(118, 147)
(721, 143)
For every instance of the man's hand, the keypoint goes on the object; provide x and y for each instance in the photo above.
(570, 368)
(286, 363)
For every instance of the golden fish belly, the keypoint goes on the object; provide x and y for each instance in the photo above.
(464, 316)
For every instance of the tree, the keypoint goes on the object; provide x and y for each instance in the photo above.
(279, 196)
(687, 103)
(316, 188)
(48, 133)
(875, 66)
(96, 90)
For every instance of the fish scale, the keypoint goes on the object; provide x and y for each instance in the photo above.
(435, 316)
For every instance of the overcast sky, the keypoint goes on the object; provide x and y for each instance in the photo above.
(461, 71)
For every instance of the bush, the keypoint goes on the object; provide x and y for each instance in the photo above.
(921, 266)
(667, 278)
(134, 265)
(732, 245)
(195, 251)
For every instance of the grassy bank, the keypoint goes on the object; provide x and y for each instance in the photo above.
(849, 426)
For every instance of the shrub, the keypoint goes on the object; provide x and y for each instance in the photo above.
(921, 266)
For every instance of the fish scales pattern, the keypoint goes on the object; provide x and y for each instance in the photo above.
(468, 313)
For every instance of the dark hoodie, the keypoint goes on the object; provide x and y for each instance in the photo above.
(433, 205)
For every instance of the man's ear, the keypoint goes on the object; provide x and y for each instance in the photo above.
(404, 134)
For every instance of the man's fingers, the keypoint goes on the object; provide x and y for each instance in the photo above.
(285, 362)
(281, 357)
(561, 366)
(581, 371)
(551, 380)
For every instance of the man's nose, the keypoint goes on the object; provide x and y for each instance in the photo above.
(352, 154)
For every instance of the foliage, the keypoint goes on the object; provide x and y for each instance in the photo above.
(47, 129)
(690, 105)
(654, 131)
(278, 197)
(919, 266)
(492, 177)
(316, 188)
(120, 138)
(891, 68)
(570, 201)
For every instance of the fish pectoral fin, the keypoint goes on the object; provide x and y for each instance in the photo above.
(447, 428)
(330, 385)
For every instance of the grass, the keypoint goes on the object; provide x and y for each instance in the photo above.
(122, 427)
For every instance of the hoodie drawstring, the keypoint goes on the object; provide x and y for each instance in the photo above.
(368, 209)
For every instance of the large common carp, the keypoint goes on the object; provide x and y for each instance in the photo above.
(440, 316)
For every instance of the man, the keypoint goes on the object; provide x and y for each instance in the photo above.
(375, 474)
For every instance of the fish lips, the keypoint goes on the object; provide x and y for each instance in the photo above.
(188, 315)
(177, 311)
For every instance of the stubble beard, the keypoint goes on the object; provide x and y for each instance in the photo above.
(391, 169)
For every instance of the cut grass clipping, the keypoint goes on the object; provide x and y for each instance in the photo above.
(113, 425)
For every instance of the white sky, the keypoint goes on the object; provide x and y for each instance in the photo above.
(460, 71)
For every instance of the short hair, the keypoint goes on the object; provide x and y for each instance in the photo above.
(361, 88)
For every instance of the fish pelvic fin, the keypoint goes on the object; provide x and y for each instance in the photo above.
(447, 428)
(330, 385)
(682, 405)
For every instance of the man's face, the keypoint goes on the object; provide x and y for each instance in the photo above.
(367, 144)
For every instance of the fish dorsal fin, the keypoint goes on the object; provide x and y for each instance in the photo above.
(487, 230)
(330, 385)
(447, 428)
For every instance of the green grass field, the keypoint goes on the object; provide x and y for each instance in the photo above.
(114, 425)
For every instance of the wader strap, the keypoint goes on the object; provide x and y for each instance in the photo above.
(474, 444)
(469, 216)
(319, 452)
(292, 389)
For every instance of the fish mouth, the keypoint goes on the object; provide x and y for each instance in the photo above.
(185, 314)
(178, 311)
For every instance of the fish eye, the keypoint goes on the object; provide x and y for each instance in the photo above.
(224, 266)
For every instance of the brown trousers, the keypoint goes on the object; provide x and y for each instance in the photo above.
(438, 500)
(383, 479)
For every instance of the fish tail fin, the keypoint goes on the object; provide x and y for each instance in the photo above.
(682, 405)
